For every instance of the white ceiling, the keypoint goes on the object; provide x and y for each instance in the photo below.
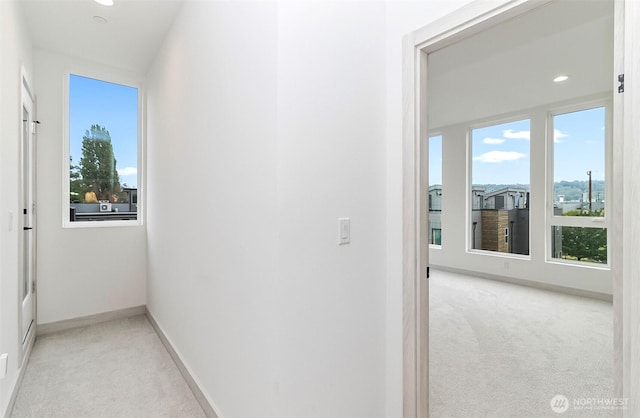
(510, 67)
(501, 70)
(129, 40)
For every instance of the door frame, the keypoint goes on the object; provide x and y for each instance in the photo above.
(467, 21)
(27, 94)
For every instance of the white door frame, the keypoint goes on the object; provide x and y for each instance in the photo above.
(626, 286)
(27, 100)
(462, 23)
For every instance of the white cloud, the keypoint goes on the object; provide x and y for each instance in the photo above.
(510, 133)
(499, 156)
(128, 171)
(493, 141)
(557, 135)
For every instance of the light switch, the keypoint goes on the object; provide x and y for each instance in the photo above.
(345, 231)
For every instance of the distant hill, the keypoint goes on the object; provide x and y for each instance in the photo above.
(572, 190)
(491, 187)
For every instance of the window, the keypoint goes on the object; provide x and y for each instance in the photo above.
(579, 190)
(436, 236)
(435, 190)
(500, 187)
(103, 152)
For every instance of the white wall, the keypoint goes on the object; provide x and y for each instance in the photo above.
(212, 208)
(331, 163)
(16, 52)
(255, 293)
(81, 271)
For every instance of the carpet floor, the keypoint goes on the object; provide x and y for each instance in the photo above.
(496, 350)
(114, 369)
(503, 350)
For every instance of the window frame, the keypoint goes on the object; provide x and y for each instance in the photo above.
(605, 221)
(120, 79)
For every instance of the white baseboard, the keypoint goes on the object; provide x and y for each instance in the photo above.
(530, 283)
(84, 321)
(202, 399)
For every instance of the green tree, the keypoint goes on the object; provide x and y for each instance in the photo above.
(76, 185)
(98, 164)
(587, 244)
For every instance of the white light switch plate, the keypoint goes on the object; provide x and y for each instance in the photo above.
(344, 231)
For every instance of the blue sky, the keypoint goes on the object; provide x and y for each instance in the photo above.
(501, 153)
(582, 147)
(110, 105)
(435, 160)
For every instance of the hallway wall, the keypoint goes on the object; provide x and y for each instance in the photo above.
(212, 149)
(81, 271)
(16, 52)
(275, 124)
(331, 164)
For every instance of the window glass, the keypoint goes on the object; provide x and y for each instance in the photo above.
(103, 150)
(436, 236)
(435, 190)
(575, 243)
(500, 187)
(579, 186)
(579, 163)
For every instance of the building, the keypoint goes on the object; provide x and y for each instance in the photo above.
(499, 219)
(435, 214)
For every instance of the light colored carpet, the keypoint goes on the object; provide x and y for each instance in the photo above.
(503, 350)
(114, 369)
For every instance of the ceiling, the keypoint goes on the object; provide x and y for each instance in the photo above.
(510, 67)
(129, 40)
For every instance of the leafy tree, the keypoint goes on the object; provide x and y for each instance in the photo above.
(98, 164)
(76, 185)
(587, 244)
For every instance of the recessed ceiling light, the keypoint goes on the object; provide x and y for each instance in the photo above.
(560, 78)
(99, 19)
(105, 2)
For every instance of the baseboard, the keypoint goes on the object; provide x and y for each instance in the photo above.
(202, 399)
(21, 372)
(84, 321)
(531, 283)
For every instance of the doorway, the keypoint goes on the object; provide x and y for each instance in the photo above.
(27, 267)
(464, 23)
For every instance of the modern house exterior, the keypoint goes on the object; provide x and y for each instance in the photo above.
(499, 219)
